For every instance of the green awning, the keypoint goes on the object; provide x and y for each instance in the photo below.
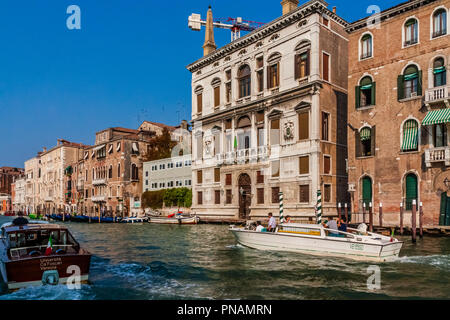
(365, 134)
(410, 76)
(436, 117)
(410, 136)
(439, 70)
(367, 86)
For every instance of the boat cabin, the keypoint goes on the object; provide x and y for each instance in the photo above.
(31, 240)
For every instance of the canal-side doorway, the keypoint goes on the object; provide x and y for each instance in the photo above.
(245, 195)
(444, 214)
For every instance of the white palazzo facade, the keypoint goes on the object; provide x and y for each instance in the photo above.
(269, 114)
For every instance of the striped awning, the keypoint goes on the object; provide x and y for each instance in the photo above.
(410, 136)
(437, 117)
(364, 134)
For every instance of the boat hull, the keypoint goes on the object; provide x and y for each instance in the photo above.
(164, 220)
(321, 246)
(35, 271)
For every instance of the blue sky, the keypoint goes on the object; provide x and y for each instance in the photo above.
(126, 64)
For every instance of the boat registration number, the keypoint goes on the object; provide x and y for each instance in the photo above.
(357, 246)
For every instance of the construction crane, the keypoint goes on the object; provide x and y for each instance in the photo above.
(195, 23)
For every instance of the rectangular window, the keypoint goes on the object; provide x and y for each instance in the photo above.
(275, 194)
(302, 65)
(260, 73)
(325, 66)
(327, 193)
(326, 164)
(217, 197)
(199, 103)
(260, 137)
(325, 126)
(199, 177)
(199, 145)
(260, 195)
(200, 197)
(303, 165)
(216, 174)
(259, 177)
(228, 86)
(303, 128)
(228, 124)
(275, 132)
(304, 194)
(273, 76)
(216, 96)
(275, 169)
(228, 198)
(228, 179)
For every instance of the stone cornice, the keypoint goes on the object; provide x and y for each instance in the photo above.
(307, 9)
(389, 13)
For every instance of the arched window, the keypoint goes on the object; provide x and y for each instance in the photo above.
(134, 172)
(244, 81)
(302, 60)
(199, 93)
(366, 46)
(216, 87)
(439, 23)
(273, 71)
(365, 93)
(243, 133)
(411, 192)
(410, 138)
(411, 32)
(410, 83)
(439, 72)
(365, 136)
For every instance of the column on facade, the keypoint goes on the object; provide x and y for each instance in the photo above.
(315, 145)
(254, 133)
(315, 52)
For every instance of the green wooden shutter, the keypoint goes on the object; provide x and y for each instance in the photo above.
(419, 84)
(411, 190)
(374, 94)
(443, 210)
(400, 91)
(357, 144)
(373, 145)
(367, 191)
(357, 97)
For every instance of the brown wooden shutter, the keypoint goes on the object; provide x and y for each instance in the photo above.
(216, 174)
(308, 63)
(304, 165)
(372, 141)
(260, 116)
(228, 124)
(259, 177)
(269, 78)
(228, 179)
(200, 103)
(199, 176)
(326, 67)
(357, 144)
(326, 165)
(275, 194)
(327, 193)
(217, 196)
(304, 193)
(200, 197)
(297, 63)
(260, 195)
(303, 120)
(229, 196)
(217, 96)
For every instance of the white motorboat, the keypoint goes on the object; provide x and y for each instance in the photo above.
(134, 220)
(314, 239)
(174, 220)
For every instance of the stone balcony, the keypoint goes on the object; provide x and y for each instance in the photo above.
(98, 198)
(242, 156)
(48, 199)
(438, 94)
(436, 155)
(98, 182)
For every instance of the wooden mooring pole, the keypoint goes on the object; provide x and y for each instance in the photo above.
(421, 221)
(346, 213)
(339, 210)
(370, 217)
(401, 218)
(413, 221)
(364, 212)
(380, 215)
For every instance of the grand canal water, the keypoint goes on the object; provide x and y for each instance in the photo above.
(145, 261)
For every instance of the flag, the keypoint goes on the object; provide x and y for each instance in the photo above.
(235, 142)
(48, 251)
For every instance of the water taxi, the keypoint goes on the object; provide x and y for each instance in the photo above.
(314, 239)
(176, 219)
(38, 253)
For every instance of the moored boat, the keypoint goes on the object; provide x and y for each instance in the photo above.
(134, 220)
(36, 253)
(317, 240)
(174, 220)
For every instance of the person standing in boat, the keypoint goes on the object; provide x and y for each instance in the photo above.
(272, 223)
(332, 224)
(342, 225)
(288, 219)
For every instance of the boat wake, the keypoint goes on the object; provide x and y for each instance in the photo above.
(439, 261)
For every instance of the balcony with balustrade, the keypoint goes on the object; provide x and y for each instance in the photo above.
(242, 156)
(99, 182)
(438, 95)
(437, 155)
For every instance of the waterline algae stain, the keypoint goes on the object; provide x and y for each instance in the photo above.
(204, 262)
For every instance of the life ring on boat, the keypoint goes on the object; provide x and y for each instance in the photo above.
(171, 215)
(34, 253)
(60, 251)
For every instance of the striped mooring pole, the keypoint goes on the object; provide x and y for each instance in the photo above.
(280, 194)
(319, 207)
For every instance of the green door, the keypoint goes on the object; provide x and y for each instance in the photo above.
(411, 190)
(367, 191)
(443, 211)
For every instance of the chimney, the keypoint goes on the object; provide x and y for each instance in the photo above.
(209, 45)
(184, 124)
(44, 149)
(334, 10)
(289, 5)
